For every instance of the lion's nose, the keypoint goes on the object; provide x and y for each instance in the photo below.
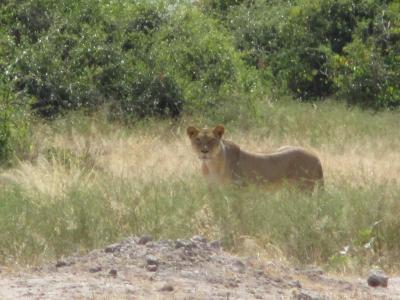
(204, 150)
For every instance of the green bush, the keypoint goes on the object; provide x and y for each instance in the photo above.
(301, 47)
(162, 58)
(142, 59)
(219, 8)
(26, 20)
(368, 72)
(14, 125)
(292, 42)
(62, 68)
(199, 53)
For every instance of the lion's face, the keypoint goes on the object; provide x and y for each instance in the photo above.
(206, 142)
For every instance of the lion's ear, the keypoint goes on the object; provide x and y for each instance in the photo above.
(219, 131)
(192, 131)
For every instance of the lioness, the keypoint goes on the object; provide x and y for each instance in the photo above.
(224, 161)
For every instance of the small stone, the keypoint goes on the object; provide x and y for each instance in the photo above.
(152, 268)
(112, 248)
(260, 273)
(376, 280)
(144, 239)
(166, 243)
(167, 288)
(239, 266)
(151, 245)
(295, 284)
(233, 284)
(95, 269)
(152, 260)
(216, 245)
(61, 263)
(313, 272)
(113, 272)
(277, 280)
(180, 243)
(306, 295)
(198, 239)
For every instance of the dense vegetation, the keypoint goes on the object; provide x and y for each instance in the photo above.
(89, 182)
(146, 58)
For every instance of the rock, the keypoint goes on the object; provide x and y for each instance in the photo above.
(378, 279)
(151, 244)
(180, 243)
(233, 284)
(198, 239)
(260, 273)
(216, 245)
(167, 288)
(144, 239)
(113, 272)
(152, 260)
(95, 269)
(307, 295)
(61, 263)
(166, 243)
(313, 272)
(112, 248)
(239, 266)
(295, 284)
(129, 290)
(152, 268)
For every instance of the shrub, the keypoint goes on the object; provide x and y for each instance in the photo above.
(26, 20)
(152, 96)
(275, 38)
(161, 58)
(293, 43)
(218, 7)
(368, 72)
(200, 55)
(142, 59)
(14, 125)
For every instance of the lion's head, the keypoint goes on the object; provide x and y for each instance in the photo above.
(206, 142)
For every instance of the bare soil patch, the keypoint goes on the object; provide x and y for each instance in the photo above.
(138, 268)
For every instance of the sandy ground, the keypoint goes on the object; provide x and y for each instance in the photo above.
(139, 268)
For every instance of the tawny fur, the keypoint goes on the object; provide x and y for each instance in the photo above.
(224, 161)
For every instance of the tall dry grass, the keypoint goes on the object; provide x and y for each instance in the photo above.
(89, 182)
(65, 160)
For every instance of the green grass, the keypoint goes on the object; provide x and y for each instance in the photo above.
(308, 229)
(89, 183)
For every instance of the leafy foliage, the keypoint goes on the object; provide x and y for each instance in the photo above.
(141, 59)
(368, 73)
(14, 125)
(322, 48)
(164, 57)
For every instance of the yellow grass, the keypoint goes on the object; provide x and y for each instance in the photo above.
(147, 179)
(149, 156)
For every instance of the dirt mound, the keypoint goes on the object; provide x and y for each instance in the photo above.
(139, 267)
